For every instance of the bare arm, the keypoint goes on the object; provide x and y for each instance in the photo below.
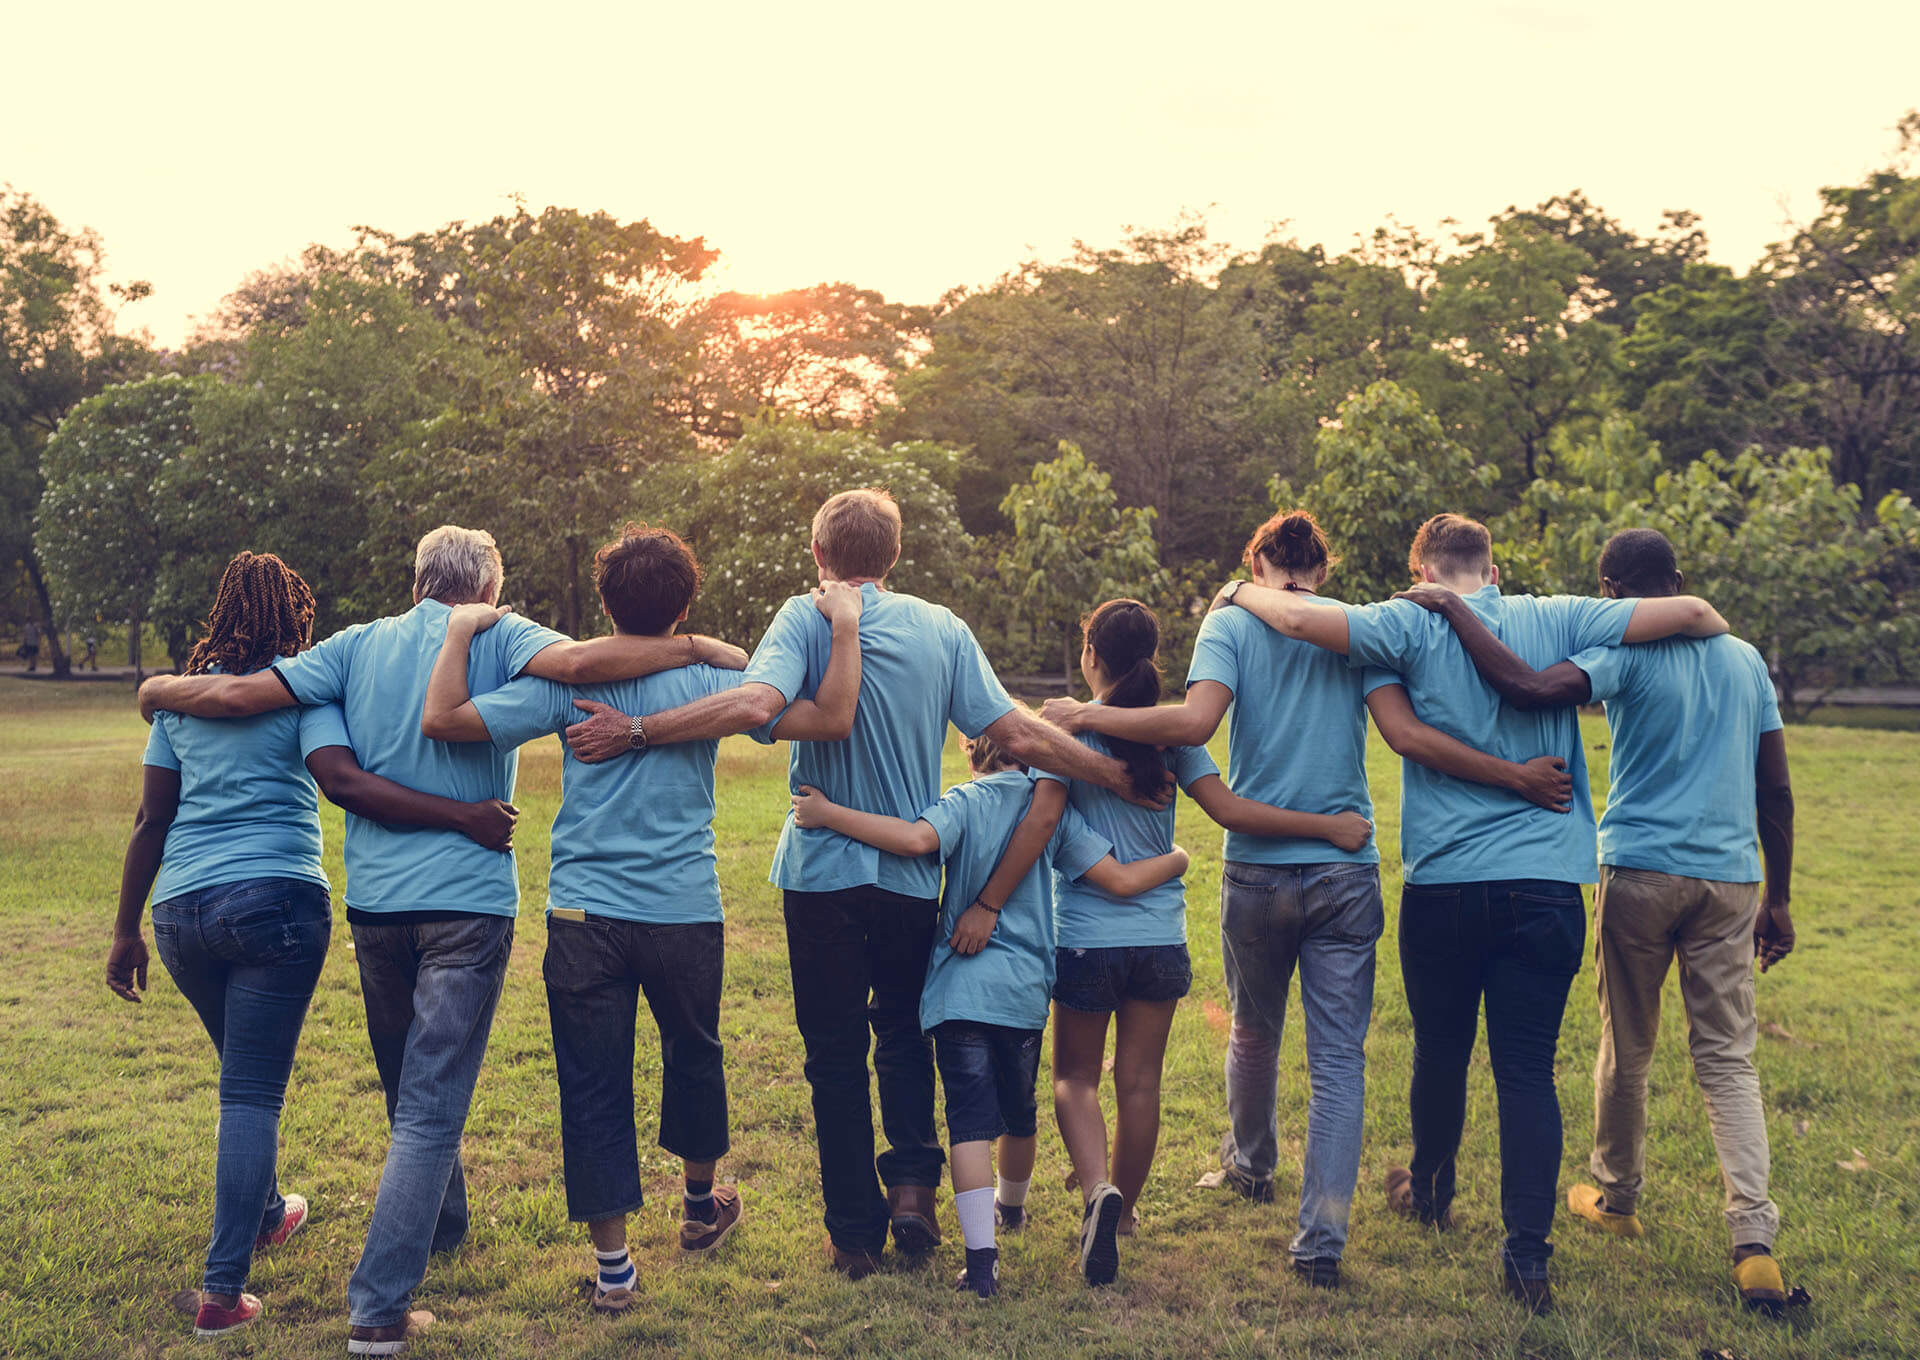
(895, 835)
(127, 958)
(1773, 937)
(1139, 876)
(1286, 611)
(828, 716)
(1024, 848)
(1668, 616)
(337, 771)
(625, 656)
(1045, 747)
(1559, 685)
(1348, 830)
(1543, 780)
(449, 714)
(214, 696)
(1190, 723)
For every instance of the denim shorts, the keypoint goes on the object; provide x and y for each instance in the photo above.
(988, 1072)
(1099, 980)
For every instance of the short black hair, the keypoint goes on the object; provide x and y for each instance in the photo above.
(647, 579)
(1639, 562)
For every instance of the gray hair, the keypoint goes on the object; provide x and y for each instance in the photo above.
(456, 564)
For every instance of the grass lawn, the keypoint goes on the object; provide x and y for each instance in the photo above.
(109, 1112)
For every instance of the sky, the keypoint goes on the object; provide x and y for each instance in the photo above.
(912, 148)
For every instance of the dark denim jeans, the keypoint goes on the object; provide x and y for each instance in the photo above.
(1518, 943)
(430, 989)
(1325, 920)
(859, 961)
(595, 971)
(246, 956)
(988, 1073)
(1098, 980)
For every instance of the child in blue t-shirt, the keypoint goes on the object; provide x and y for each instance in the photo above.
(991, 975)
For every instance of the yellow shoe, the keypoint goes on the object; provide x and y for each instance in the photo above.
(1760, 1284)
(1588, 1203)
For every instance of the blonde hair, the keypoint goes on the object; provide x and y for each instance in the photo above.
(858, 533)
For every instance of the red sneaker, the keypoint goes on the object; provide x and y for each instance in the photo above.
(296, 1219)
(213, 1320)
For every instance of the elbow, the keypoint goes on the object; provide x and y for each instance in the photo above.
(1530, 694)
(435, 727)
(764, 703)
(570, 667)
(1025, 743)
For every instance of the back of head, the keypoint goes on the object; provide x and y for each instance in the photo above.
(1292, 541)
(1125, 636)
(457, 566)
(1639, 562)
(857, 534)
(647, 579)
(263, 610)
(1452, 546)
(986, 756)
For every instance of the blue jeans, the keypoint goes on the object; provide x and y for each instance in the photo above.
(595, 971)
(430, 989)
(1517, 943)
(988, 1072)
(1097, 980)
(246, 956)
(1324, 919)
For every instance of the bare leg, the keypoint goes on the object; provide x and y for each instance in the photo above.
(609, 1234)
(1016, 1157)
(1139, 1050)
(1079, 1046)
(972, 1165)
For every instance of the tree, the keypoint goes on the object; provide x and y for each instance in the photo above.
(57, 346)
(747, 512)
(1382, 470)
(1073, 546)
(1623, 267)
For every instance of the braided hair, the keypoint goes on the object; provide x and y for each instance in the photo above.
(1125, 636)
(263, 610)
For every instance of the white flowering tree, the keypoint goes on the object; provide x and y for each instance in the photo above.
(748, 515)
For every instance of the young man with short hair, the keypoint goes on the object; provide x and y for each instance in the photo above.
(860, 922)
(431, 912)
(1699, 775)
(633, 899)
(1491, 906)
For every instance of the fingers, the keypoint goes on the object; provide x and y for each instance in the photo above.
(140, 976)
(593, 706)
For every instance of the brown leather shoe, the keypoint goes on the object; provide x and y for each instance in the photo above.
(698, 1238)
(1400, 1200)
(916, 1230)
(855, 1265)
(390, 1340)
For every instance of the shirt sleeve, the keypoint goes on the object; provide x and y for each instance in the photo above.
(1076, 847)
(1381, 635)
(525, 640)
(1216, 652)
(1191, 763)
(323, 725)
(979, 699)
(1608, 670)
(1373, 678)
(713, 680)
(319, 674)
(524, 709)
(1587, 622)
(159, 746)
(781, 658)
(948, 818)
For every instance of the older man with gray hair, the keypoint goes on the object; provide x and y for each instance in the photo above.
(432, 913)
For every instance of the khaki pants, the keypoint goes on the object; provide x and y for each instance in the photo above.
(1642, 920)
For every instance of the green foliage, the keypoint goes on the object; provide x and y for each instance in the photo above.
(747, 513)
(1381, 471)
(1073, 546)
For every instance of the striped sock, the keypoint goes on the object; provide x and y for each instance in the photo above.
(697, 1202)
(616, 1269)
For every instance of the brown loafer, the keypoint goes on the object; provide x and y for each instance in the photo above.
(916, 1230)
(855, 1265)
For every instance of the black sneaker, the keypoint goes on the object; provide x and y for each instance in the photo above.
(1322, 1272)
(1099, 1232)
(982, 1275)
(1535, 1295)
(1009, 1217)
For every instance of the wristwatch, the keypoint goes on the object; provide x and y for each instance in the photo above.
(637, 736)
(1233, 588)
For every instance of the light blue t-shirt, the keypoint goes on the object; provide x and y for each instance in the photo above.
(1010, 980)
(1687, 715)
(1296, 734)
(920, 669)
(378, 672)
(1092, 918)
(248, 807)
(634, 836)
(1452, 831)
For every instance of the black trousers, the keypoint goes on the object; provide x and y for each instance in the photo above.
(859, 960)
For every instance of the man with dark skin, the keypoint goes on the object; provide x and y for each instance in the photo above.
(1699, 774)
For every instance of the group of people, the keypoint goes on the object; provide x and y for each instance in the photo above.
(945, 929)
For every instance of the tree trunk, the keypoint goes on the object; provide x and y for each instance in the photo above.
(57, 655)
(570, 624)
(1066, 670)
(133, 649)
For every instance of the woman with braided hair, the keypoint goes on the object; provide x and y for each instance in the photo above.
(229, 824)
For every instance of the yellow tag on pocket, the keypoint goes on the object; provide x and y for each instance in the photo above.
(567, 914)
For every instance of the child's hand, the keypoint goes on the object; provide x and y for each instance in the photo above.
(970, 932)
(1350, 830)
(811, 807)
(1180, 853)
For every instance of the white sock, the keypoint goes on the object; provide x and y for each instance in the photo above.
(1013, 1194)
(975, 1208)
(616, 1268)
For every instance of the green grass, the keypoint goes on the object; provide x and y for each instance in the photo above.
(109, 1112)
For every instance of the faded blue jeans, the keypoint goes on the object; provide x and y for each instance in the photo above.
(430, 989)
(246, 955)
(1323, 919)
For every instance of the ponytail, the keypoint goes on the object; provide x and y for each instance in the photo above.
(1125, 636)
